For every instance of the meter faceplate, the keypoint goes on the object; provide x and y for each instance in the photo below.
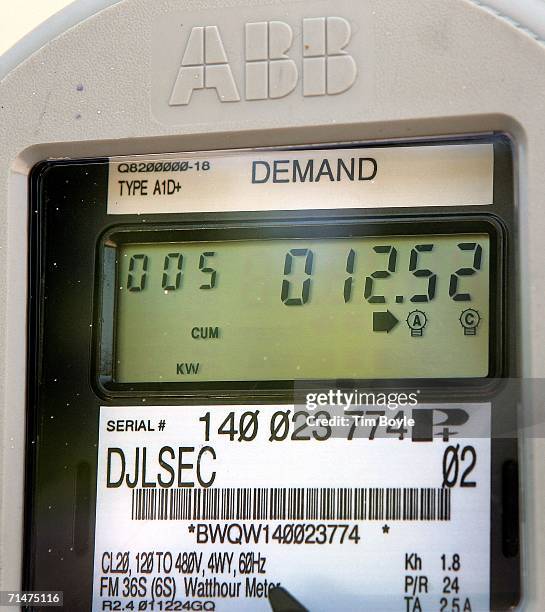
(65, 393)
(431, 68)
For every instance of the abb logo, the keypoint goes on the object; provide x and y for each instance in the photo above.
(270, 73)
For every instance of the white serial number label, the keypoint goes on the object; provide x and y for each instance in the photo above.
(211, 507)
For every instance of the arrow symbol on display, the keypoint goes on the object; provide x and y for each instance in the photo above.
(384, 321)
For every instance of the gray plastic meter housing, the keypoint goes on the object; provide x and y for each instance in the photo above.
(139, 77)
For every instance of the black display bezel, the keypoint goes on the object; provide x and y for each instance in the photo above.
(358, 227)
(68, 219)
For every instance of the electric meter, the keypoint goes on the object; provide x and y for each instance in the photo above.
(271, 307)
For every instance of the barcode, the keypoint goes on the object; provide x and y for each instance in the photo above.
(292, 504)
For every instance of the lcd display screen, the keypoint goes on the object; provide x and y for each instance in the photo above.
(360, 307)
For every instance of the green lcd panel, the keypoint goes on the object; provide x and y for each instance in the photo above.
(384, 307)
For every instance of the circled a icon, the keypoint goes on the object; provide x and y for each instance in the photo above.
(417, 321)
